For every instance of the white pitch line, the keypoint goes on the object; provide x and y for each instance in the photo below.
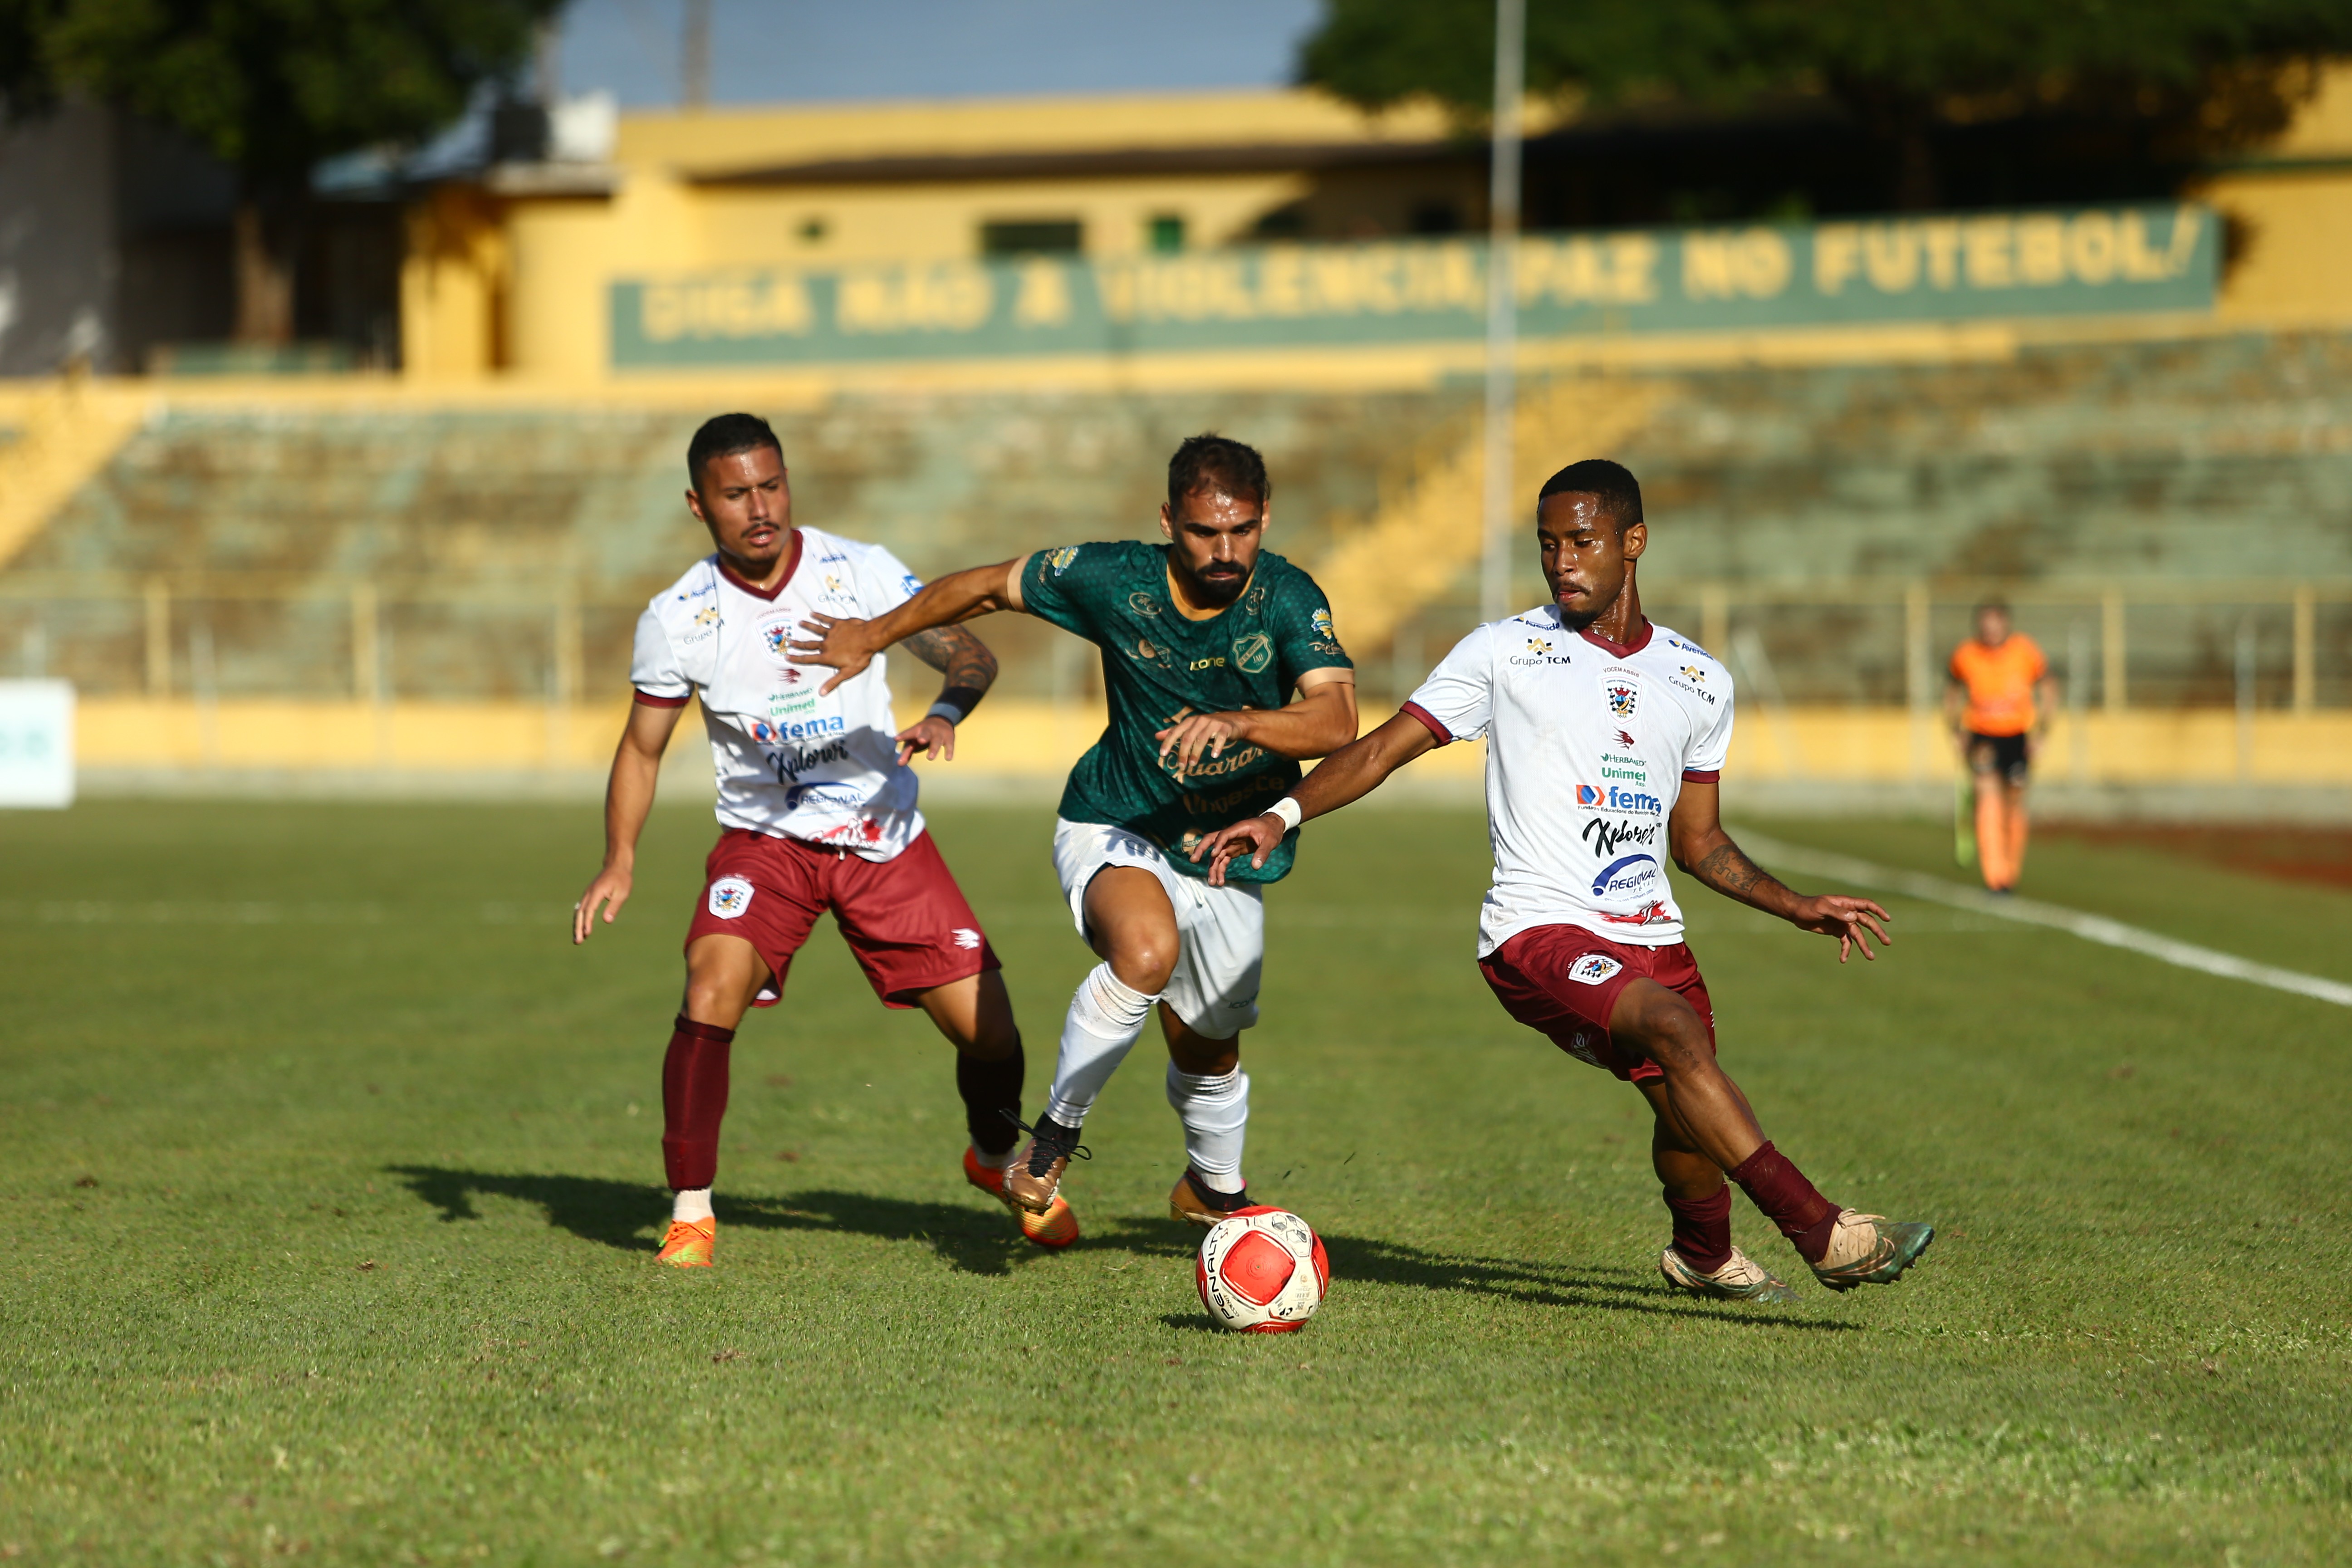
(2033, 911)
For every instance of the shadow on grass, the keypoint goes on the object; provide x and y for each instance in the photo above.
(978, 1240)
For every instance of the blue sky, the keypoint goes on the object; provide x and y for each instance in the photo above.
(772, 51)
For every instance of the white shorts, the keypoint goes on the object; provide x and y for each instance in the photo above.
(1221, 932)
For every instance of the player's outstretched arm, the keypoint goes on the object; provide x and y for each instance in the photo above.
(1317, 722)
(970, 670)
(1350, 774)
(849, 645)
(628, 796)
(1705, 850)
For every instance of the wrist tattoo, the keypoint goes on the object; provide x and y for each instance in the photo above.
(955, 653)
(1727, 869)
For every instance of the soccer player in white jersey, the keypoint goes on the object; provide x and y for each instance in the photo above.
(816, 810)
(1606, 738)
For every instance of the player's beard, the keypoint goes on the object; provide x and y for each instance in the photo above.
(1216, 593)
(1575, 620)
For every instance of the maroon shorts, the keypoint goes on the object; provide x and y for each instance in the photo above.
(1562, 981)
(905, 919)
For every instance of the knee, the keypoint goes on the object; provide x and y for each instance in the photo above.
(992, 1042)
(1144, 961)
(1671, 1033)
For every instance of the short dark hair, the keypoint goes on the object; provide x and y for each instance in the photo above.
(1991, 606)
(1614, 483)
(723, 438)
(1213, 462)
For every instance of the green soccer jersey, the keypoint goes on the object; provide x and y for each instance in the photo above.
(1159, 667)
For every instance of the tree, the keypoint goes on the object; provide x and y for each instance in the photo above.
(2202, 73)
(271, 87)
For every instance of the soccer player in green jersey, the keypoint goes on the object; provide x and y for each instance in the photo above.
(1222, 672)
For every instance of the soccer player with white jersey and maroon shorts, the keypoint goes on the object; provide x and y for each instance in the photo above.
(816, 809)
(1606, 737)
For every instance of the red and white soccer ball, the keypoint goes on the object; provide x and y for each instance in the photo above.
(1262, 1271)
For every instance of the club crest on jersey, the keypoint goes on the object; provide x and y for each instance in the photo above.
(1143, 603)
(730, 897)
(776, 638)
(1623, 695)
(1593, 968)
(1253, 652)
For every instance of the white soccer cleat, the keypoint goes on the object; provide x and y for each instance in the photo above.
(1742, 1278)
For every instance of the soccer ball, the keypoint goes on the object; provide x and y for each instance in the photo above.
(1262, 1271)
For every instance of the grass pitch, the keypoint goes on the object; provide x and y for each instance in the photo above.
(334, 1174)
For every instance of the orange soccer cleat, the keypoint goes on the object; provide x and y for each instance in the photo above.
(689, 1244)
(1058, 1227)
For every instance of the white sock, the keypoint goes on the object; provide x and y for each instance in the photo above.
(692, 1206)
(1105, 1020)
(1216, 1110)
(997, 1161)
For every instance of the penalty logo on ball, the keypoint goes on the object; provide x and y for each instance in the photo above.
(1262, 1271)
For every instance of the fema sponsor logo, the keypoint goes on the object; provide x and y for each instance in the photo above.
(1592, 970)
(730, 897)
(1624, 696)
(1253, 652)
(784, 733)
(1618, 798)
(966, 938)
(1628, 874)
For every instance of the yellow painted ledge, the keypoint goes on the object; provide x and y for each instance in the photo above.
(1031, 739)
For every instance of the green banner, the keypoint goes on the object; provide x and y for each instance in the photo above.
(2094, 261)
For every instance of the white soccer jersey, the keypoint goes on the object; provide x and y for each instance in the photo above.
(1588, 743)
(790, 763)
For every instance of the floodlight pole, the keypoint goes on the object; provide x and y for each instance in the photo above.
(1502, 304)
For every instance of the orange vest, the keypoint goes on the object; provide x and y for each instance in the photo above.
(2001, 683)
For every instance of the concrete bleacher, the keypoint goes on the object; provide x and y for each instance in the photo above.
(503, 547)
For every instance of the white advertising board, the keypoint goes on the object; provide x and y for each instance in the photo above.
(36, 743)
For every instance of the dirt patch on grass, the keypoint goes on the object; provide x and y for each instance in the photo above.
(2321, 855)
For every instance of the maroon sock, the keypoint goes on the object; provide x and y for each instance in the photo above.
(1787, 1200)
(1703, 1229)
(989, 1091)
(694, 1100)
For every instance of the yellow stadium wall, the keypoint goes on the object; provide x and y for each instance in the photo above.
(1040, 741)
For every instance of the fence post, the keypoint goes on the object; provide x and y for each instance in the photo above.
(1715, 619)
(364, 653)
(2112, 652)
(1918, 673)
(159, 639)
(2306, 674)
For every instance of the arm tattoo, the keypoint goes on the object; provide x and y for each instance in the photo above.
(963, 658)
(1727, 869)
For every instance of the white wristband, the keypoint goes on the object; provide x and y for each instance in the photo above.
(1285, 810)
(946, 710)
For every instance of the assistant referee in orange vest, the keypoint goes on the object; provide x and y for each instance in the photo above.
(2000, 700)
